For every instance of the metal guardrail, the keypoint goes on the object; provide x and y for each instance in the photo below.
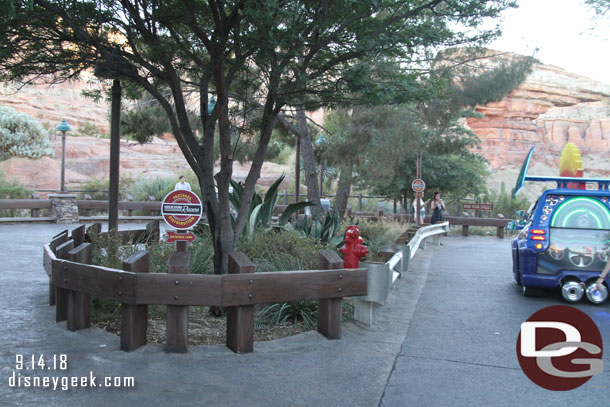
(381, 276)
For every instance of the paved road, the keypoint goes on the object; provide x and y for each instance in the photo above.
(439, 341)
(460, 346)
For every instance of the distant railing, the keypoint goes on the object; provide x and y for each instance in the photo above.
(153, 208)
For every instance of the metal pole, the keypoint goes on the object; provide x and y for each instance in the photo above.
(115, 144)
(417, 200)
(297, 172)
(321, 179)
(63, 161)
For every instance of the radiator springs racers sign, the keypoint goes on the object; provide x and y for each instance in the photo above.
(181, 209)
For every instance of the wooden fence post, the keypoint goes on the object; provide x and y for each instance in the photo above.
(129, 199)
(240, 320)
(57, 240)
(134, 318)
(152, 212)
(178, 315)
(78, 235)
(61, 294)
(79, 303)
(329, 309)
(87, 212)
(35, 212)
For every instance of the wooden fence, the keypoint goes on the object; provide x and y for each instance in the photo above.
(73, 280)
(154, 207)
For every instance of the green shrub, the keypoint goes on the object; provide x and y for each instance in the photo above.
(87, 130)
(97, 188)
(13, 189)
(504, 202)
(202, 252)
(284, 155)
(289, 312)
(377, 235)
(272, 250)
(22, 135)
(157, 187)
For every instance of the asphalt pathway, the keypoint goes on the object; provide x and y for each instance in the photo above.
(446, 337)
(460, 349)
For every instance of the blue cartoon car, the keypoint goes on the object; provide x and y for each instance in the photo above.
(565, 241)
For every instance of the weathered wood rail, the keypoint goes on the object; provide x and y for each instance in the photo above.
(34, 205)
(72, 280)
(154, 207)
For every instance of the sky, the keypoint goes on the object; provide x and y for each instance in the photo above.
(565, 32)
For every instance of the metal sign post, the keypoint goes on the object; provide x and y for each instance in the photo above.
(181, 210)
(418, 186)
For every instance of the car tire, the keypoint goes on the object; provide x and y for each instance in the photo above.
(594, 295)
(528, 291)
(572, 290)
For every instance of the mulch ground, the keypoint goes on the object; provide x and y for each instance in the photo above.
(204, 329)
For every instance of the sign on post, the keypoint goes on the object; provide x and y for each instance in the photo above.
(418, 185)
(175, 236)
(181, 209)
(478, 207)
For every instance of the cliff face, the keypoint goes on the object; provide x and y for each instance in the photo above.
(49, 104)
(551, 108)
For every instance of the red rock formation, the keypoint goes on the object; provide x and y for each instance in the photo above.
(549, 109)
(49, 104)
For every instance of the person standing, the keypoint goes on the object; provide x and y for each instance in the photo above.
(438, 206)
(422, 209)
(182, 184)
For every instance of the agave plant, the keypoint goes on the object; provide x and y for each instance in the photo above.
(324, 231)
(261, 211)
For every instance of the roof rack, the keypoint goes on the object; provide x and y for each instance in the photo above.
(562, 182)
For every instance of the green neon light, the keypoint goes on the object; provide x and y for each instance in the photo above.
(565, 205)
(567, 219)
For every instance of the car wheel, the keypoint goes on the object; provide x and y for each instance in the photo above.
(594, 295)
(572, 290)
(528, 291)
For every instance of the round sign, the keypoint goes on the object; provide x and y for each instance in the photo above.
(418, 185)
(181, 209)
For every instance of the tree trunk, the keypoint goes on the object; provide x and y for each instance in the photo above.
(344, 188)
(309, 161)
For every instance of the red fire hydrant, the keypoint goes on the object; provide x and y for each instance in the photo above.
(353, 249)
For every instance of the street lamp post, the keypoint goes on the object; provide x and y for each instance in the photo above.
(211, 105)
(319, 143)
(63, 127)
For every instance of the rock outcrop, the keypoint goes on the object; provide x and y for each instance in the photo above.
(551, 108)
(50, 103)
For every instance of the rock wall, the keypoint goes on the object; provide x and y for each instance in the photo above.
(50, 103)
(549, 109)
